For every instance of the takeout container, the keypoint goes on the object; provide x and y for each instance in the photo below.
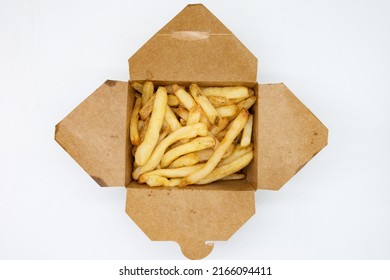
(193, 47)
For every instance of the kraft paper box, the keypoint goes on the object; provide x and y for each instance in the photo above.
(193, 47)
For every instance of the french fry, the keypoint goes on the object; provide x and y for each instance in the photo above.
(236, 100)
(247, 132)
(163, 134)
(146, 110)
(220, 135)
(237, 126)
(184, 97)
(144, 128)
(205, 154)
(173, 101)
(137, 86)
(247, 103)
(228, 169)
(147, 92)
(228, 92)
(194, 115)
(183, 122)
(204, 120)
(221, 125)
(229, 151)
(204, 136)
(159, 181)
(211, 113)
(190, 131)
(219, 101)
(234, 176)
(237, 153)
(227, 111)
(145, 149)
(193, 146)
(171, 119)
(140, 123)
(170, 172)
(134, 135)
(181, 112)
(170, 89)
(186, 160)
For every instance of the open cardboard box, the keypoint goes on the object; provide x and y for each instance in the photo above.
(193, 47)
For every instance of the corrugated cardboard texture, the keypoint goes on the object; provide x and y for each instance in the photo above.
(194, 46)
(190, 216)
(95, 134)
(286, 136)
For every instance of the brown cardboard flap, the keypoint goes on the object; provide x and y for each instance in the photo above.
(288, 136)
(191, 216)
(95, 134)
(194, 46)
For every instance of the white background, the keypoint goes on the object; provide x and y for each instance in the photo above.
(334, 55)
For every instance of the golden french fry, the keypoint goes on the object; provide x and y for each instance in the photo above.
(237, 126)
(147, 92)
(194, 115)
(228, 92)
(181, 112)
(171, 119)
(247, 103)
(211, 113)
(234, 176)
(170, 89)
(228, 169)
(227, 111)
(247, 132)
(193, 146)
(137, 86)
(220, 135)
(190, 131)
(221, 125)
(186, 160)
(236, 100)
(144, 128)
(237, 153)
(238, 139)
(184, 97)
(145, 149)
(229, 151)
(170, 172)
(219, 101)
(140, 124)
(163, 134)
(205, 154)
(146, 110)
(173, 101)
(183, 122)
(159, 181)
(134, 135)
(204, 120)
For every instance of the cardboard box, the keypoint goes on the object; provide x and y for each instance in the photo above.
(193, 47)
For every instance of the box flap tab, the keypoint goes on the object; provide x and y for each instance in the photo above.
(95, 134)
(195, 17)
(289, 135)
(194, 46)
(191, 216)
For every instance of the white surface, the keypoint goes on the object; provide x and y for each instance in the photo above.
(335, 57)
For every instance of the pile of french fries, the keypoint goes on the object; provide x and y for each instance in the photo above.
(193, 135)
